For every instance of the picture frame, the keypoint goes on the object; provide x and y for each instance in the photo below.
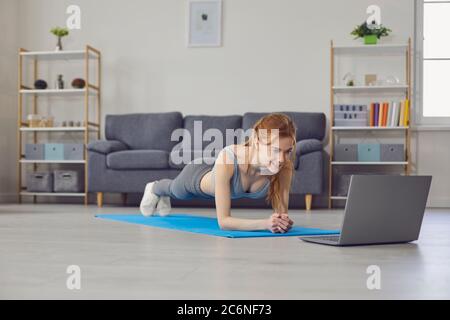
(204, 23)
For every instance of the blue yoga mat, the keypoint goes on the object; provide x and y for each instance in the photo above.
(208, 226)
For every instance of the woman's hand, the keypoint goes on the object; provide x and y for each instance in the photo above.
(279, 223)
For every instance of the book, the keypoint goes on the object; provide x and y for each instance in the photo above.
(389, 117)
(371, 112)
(402, 114)
(394, 114)
(380, 114)
(377, 111)
(406, 118)
(386, 113)
(397, 115)
(391, 120)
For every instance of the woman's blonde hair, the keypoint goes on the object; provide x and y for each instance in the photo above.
(286, 128)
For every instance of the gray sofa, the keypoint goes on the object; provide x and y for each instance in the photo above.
(138, 149)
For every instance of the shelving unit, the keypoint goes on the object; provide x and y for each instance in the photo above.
(51, 194)
(404, 89)
(368, 163)
(338, 89)
(91, 126)
(80, 92)
(380, 48)
(58, 129)
(53, 161)
(367, 128)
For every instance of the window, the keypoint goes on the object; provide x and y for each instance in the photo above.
(432, 62)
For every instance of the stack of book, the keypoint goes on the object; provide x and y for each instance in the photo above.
(389, 114)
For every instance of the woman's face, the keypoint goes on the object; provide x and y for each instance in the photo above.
(273, 153)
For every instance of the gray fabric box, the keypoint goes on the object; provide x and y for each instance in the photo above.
(341, 182)
(54, 151)
(39, 182)
(73, 151)
(34, 152)
(346, 152)
(68, 181)
(392, 152)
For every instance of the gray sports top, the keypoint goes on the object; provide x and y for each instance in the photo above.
(237, 191)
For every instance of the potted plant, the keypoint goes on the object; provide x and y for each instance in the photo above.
(370, 32)
(60, 33)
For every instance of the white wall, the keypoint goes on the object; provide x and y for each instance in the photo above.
(8, 98)
(275, 55)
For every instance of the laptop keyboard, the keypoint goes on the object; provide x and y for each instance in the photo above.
(328, 238)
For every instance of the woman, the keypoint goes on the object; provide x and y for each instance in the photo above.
(261, 167)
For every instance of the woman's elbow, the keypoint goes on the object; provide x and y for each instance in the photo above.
(223, 225)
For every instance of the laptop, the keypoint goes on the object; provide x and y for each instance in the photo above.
(381, 209)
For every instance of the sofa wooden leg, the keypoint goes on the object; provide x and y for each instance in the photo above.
(100, 199)
(308, 201)
(124, 199)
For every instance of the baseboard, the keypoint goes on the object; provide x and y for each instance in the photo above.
(438, 203)
(8, 198)
(319, 202)
(12, 198)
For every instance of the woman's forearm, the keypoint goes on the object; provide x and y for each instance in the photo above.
(231, 223)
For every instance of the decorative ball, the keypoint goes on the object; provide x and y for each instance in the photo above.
(78, 83)
(40, 84)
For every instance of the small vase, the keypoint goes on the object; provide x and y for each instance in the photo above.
(371, 39)
(59, 84)
(59, 45)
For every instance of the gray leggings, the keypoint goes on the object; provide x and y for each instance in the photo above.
(186, 185)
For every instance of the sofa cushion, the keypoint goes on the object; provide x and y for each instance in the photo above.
(310, 125)
(138, 159)
(149, 131)
(221, 123)
(106, 146)
(306, 146)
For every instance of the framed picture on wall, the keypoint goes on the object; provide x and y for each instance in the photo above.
(204, 27)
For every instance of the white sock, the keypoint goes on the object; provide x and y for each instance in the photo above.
(163, 207)
(149, 200)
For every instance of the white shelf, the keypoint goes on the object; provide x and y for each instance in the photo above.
(56, 91)
(378, 48)
(57, 129)
(369, 163)
(51, 194)
(54, 161)
(367, 128)
(338, 198)
(58, 55)
(369, 88)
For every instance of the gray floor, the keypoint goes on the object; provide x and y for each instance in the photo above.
(117, 260)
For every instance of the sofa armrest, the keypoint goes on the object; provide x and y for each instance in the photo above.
(106, 146)
(308, 146)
